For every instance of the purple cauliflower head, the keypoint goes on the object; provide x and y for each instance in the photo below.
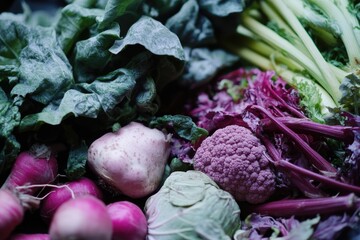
(235, 159)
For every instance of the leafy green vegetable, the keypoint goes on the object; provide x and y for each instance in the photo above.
(92, 55)
(83, 67)
(24, 49)
(74, 20)
(222, 8)
(76, 164)
(199, 26)
(154, 36)
(9, 120)
(181, 124)
(193, 28)
(350, 89)
(116, 8)
(203, 64)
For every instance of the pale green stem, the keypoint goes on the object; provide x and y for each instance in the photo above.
(347, 35)
(327, 78)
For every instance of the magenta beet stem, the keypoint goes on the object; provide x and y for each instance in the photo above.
(308, 207)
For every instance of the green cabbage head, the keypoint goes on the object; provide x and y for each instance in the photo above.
(190, 205)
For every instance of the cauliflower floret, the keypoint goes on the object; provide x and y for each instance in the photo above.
(234, 158)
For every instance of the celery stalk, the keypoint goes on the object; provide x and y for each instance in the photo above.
(347, 35)
(327, 79)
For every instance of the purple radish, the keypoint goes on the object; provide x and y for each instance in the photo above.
(65, 192)
(37, 166)
(30, 236)
(85, 217)
(11, 213)
(128, 220)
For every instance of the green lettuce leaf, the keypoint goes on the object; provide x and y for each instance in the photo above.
(92, 55)
(144, 32)
(117, 8)
(76, 163)
(222, 8)
(74, 20)
(181, 124)
(193, 28)
(35, 64)
(9, 120)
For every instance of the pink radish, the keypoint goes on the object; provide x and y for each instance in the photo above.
(80, 218)
(30, 236)
(128, 220)
(37, 166)
(65, 192)
(11, 213)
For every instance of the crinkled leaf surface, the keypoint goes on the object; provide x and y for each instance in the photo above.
(181, 124)
(193, 28)
(152, 35)
(117, 8)
(222, 8)
(203, 64)
(37, 65)
(73, 21)
(9, 120)
(92, 55)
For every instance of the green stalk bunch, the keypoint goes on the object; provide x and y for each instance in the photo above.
(314, 45)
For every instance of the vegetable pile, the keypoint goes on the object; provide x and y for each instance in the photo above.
(180, 120)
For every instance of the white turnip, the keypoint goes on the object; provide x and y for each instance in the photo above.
(65, 192)
(132, 160)
(82, 218)
(128, 220)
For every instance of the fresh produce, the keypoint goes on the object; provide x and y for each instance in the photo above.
(128, 221)
(314, 45)
(79, 76)
(200, 77)
(307, 207)
(132, 160)
(190, 205)
(11, 212)
(36, 166)
(75, 219)
(265, 105)
(64, 192)
(235, 159)
(33, 236)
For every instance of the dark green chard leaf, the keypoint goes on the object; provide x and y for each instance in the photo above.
(167, 70)
(117, 8)
(73, 21)
(203, 64)
(92, 55)
(85, 3)
(90, 99)
(154, 36)
(181, 124)
(76, 163)
(112, 88)
(222, 8)
(73, 103)
(9, 120)
(146, 96)
(161, 8)
(193, 28)
(350, 89)
(28, 48)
